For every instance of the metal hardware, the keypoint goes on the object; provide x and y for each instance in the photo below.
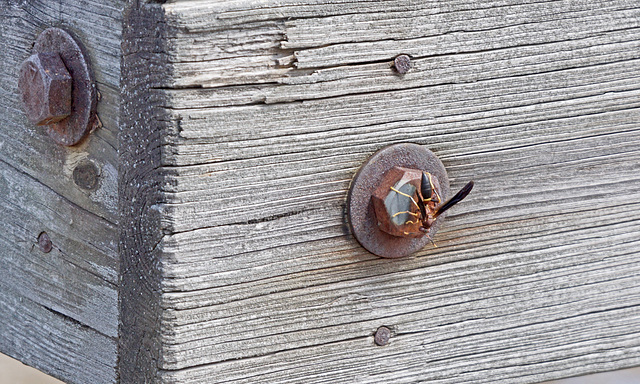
(372, 176)
(402, 64)
(44, 242)
(396, 202)
(85, 175)
(382, 336)
(57, 88)
(46, 88)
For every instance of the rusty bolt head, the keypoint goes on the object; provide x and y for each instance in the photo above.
(389, 204)
(382, 336)
(45, 84)
(402, 64)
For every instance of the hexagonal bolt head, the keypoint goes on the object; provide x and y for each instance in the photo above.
(45, 84)
(388, 204)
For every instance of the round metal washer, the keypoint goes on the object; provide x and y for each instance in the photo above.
(362, 220)
(82, 119)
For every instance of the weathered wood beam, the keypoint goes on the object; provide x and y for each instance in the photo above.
(269, 111)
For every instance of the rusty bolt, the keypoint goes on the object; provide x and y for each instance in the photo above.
(45, 84)
(372, 176)
(395, 211)
(382, 336)
(44, 242)
(402, 64)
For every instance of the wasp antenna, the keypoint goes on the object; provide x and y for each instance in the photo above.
(455, 199)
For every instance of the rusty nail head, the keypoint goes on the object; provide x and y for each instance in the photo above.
(45, 84)
(85, 175)
(382, 336)
(402, 64)
(44, 242)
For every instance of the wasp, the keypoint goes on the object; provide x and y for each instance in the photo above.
(428, 206)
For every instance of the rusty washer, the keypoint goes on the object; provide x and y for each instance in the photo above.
(360, 208)
(57, 88)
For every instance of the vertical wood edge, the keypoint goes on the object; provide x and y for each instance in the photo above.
(141, 132)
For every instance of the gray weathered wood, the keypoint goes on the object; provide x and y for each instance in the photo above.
(140, 193)
(28, 148)
(216, 248)
(79, 277)
(59, 310)
(268, 111)
(57, 345)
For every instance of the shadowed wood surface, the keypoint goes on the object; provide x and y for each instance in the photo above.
(59, 310)
(272, 109)
(139, 192)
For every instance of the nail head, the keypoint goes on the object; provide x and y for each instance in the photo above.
(44, 242)
(85, 175)
(402, 64)
(382, 336)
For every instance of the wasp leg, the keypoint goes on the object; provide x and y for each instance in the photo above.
(439, 198)
(416, 215)
(404, 194)
(426, 232)
(432, 242)
(428, 237)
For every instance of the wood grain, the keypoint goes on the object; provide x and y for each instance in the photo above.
(139, 190)
(79, 277)
(59, 309)
(29, 149)
(54, 343)
(270, 110)
(226, 155)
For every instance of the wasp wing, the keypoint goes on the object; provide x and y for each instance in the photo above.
(455, 199)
